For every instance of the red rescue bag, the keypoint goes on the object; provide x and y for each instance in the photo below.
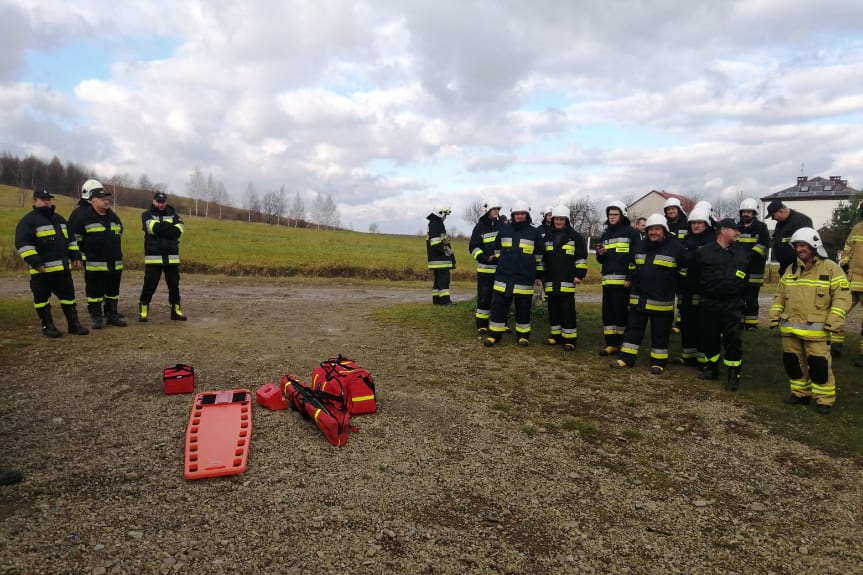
(340, 376)
(333, 422)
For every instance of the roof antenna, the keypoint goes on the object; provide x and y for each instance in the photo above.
(802, 168)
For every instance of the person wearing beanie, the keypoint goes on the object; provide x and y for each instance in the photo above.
(162, 227)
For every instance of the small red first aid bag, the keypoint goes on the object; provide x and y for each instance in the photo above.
(179, 378)
(342, 377)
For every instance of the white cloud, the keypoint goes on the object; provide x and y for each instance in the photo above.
(456, 99)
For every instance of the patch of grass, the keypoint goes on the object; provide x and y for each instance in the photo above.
(15, 316)
(764, 383)
(632, 434)
(503, 407)
(587, 429)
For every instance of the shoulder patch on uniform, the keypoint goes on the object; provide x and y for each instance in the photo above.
(824, 278)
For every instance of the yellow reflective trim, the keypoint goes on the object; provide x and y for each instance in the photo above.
(364, 398)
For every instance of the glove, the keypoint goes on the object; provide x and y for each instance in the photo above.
(159, 228)
(774, 323)
(172, 232)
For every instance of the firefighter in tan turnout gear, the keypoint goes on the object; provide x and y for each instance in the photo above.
(813, 298)
(852, 263)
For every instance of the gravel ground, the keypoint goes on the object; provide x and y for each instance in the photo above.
(479, 461)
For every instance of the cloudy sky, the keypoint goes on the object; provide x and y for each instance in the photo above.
(395, 106)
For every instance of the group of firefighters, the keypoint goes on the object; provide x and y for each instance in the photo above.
(710, 270)
(91, 240)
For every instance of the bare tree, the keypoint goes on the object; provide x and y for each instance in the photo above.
(297, 210)
(474, 212)
(196, 185)
(273, 206)
(374, 228)
(251, 201)
(220, 196)
(584, 217)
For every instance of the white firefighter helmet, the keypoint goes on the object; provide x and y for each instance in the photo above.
(810, 237)
(750, 204)
(704, 205)
(442, 211)
(616, 204)
(700, 214)
(519, 206)
(89, 187)
(490, 204)
(673, 203)
(547, 210)
(560, 211)
(656, 220)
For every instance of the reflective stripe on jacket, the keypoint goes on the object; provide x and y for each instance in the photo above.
(852, 256)
(812, 303)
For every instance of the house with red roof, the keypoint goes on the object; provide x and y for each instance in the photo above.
(653, 201)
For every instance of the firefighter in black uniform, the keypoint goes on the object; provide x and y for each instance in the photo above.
(659, 262)
(614, 253)
(99, 232)
(483, 248)
(564, 267)
(788, 221)
(675, 218)
(162, 227)
(519, 266)
(701, 232)
(43, 242)
(719, 272)
(441, 258)
(755, 236)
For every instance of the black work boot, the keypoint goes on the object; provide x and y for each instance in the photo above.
(733, 381)
(177, 313)
(75, 327)
(858, 361)
(114, 318)
(10, 476)
(709, 371)
(797, 400)
(48, 327)
(95, 309)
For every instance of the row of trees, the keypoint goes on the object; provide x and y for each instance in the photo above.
(207, 196)
(273, 206)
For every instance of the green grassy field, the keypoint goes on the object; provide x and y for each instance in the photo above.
(764, 383)
(239, 248)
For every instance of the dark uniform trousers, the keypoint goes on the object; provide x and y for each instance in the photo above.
(59, 283)
(562, 316)
(615, 309)
(440, 287)
(750, 303)
(661, 323)
(484, 295)
(720, 324)
(102, 285)
(688, 309)
(500, 305)
(152, 275)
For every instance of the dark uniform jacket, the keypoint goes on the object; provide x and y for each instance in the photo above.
(520, 260)
(483, 244)
(756, 237)
(162, 231)
(83, 206)
(657, 273)
(691, 243)
(438, 250)
(564, 258)
(783, 251)
(678, 228)
(42, 239)
(718, 272)
(99, 238)
(618, 240)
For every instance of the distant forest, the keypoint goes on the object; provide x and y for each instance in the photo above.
(206, 196)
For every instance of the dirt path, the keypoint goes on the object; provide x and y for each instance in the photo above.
(454, 475)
